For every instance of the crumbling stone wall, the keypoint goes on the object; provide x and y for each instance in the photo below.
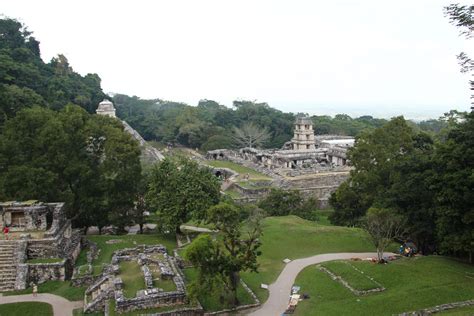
(42, 272)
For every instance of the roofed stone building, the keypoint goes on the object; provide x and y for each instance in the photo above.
(107, 108)
(303, 138)
(39, 231)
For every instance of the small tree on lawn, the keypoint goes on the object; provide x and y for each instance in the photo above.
(223, 259)
(383, 225)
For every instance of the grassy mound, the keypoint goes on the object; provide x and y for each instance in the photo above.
(293, 237)
(411, 283)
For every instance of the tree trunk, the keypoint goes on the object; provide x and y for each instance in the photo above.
(141, 228)
(178, 230)
(234, 283)
(379, 254)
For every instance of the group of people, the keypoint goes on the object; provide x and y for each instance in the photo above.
(407, 249)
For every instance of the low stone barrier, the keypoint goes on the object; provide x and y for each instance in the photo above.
(346, 284)
(439, 308)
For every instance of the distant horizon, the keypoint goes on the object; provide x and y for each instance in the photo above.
(332, 110)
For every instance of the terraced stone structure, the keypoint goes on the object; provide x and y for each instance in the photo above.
(39, 232)
(156, 266)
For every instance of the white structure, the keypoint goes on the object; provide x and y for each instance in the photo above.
(106, 108)
(303, 138)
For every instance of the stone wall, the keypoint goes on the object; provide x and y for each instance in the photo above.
(42, 272)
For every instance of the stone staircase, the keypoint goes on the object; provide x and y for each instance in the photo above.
(8, 264)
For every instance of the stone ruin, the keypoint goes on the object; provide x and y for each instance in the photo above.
(37, 231)
(306, 152)
(313, 164)
(153, 260)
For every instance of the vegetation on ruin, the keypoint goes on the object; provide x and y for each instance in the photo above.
(241, 170)
(60, 288)
(126, 241)
(132, 277)
(411, 283)
(27, 309)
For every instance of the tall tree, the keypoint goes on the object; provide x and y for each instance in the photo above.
(454, 165)
(180, 190)
(250, 135)
(383, 226)
(88, 161)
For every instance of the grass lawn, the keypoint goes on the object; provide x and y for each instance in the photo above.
(293, 237)
(132, 277)
(26, 309)
(255, 184)
(356, 279)
(241, 170)
(127, 241)
(166, 285)
(60, 288)
(233, 193)
(211, 301)
(411, 283)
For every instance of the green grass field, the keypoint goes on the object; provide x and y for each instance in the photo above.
(60, 288)
(127, 241)
(411, 283)
(26, 309)
(132, 277)
(241, 170)
(292, 237)
(356, 279)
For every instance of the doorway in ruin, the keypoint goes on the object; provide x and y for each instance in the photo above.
(18, 219)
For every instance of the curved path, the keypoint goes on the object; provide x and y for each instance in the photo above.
(61, 306)
(280, 290)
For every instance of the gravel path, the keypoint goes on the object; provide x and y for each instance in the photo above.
(280, 290)
(61, 306)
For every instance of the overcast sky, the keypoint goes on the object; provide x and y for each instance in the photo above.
(379, 57)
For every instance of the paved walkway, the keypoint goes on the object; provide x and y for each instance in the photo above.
(197, 229)
(61, 306)
(280, 290)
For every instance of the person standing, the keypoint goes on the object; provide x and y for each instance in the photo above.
(35, 290)
(6, 231)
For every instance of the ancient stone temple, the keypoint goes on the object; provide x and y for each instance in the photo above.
(106, 108)
(303, 138)
(39, 232)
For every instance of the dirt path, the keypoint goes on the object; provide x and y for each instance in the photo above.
(61, 306)
(280, 290)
